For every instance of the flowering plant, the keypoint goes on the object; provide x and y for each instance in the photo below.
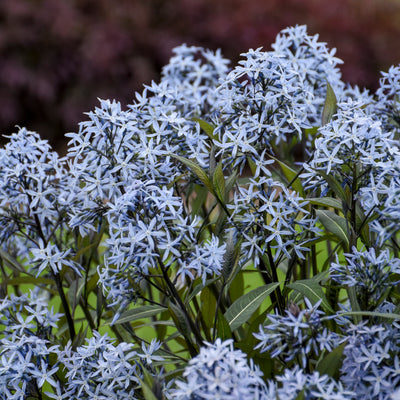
(232, 234)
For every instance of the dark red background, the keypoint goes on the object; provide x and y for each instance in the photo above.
(58, 56)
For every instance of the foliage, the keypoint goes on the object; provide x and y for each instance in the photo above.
(232, 234)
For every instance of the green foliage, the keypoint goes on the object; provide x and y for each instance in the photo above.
(330, 105)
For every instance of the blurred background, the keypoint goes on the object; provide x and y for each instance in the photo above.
(58, 56)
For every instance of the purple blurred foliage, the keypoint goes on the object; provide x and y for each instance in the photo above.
(58, 56)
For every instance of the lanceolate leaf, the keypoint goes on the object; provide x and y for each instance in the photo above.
(330, 106)
(244, 307)
(311, 289)
(139, 313)
(30, 280)
(219, 182)
(292, 176)
(230, 181)
(182, 325)
(207, 128)
(231, 259)
(223, 329)
(208, 306)
(147, 392)
(199, 200)
(11, 261)
(334, 224)
(331, 363)
(198, 288)
(334, 185)
(372, 314)
(326, 202)
(197, 170)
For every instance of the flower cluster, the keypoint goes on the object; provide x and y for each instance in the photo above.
(220, 372)
(100, 369)
(295, 335)
(371, 360)
(373, 275)
(295, 382)
(33, 192)
(29, 362)
(350, 147)
(388, 98)
(270, 218)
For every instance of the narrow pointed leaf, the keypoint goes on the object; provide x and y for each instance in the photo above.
(30, 279)
(311, 289)
(330, 365)
(292, 176)
(198, 288)
(330, 106)
(230, 182)
(372, 314)
(231, 259)
(139, 313)
(199, 200)
(244, 307)
(334, 185)
(334, 224)
(12, 262)
(223, 328)
(219, 182)
(182, 325)
(206, 127)
(147, 392)
(196, 169)
(208, 306)
(326, 202)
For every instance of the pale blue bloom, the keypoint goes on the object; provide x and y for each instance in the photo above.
(371, 273)
(220, 372)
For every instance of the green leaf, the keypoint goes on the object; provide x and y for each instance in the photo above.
(231, 265)
(139, 313)
(199, 200)
(212, 163)
(198, 288)
(147, 392)
(12, 262)
(223, 328)
(326, 202)
(208, 306)
(175, 180)
(100, 302)
(292, 176)
(334, 224)
(362, 224)
(219, 182)
(234, 287)
(334, 185)
(180, 321)
(330, 365)
(197, 170)
(244, 307)
(220, 224)
(311, 289)
(330, 106)
(371, 314)
(230, 182)
(30, 280)
(80, 337)
(207, 128)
